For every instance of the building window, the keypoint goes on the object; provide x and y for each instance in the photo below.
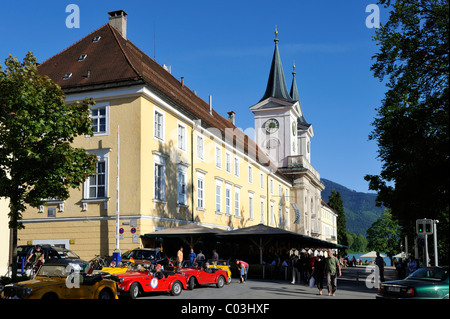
(280, 216)
(160, 179)
(287, 219)
(218, 157)
(96, 185)
(218, 196)
(272, 216)
(250, 174)
(99, 120)
(236, 202)
(181, 137)
(271, 186)
(228, 199)
(280, 192)
(236, 167)
(51, 212)
(200, 147)
(250, 206)
(262, 210)
(287, 194)
(228, 162)
(261, 177)
(159, 125)
(200, 191)
(182, 188)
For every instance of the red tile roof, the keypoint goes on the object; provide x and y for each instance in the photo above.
(114, 61)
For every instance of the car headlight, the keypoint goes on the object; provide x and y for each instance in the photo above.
(28, 291)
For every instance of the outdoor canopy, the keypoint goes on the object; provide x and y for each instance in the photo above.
(259, 234)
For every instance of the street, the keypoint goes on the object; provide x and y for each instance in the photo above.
(351, 285)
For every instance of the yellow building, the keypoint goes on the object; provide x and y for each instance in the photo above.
(166, 157)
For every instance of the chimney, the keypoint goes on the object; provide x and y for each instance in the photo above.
(231, 117)
(118, 19)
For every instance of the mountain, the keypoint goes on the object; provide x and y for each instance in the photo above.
(360, 210)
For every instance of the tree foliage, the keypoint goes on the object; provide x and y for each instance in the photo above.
(335, 202)
(37, 128)
(411, 127)
(384, 235)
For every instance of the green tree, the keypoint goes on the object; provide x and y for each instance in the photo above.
(411, 127)
(335, 202)
(37, 128)
(384, 235)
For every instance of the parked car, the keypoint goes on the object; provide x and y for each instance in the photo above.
(52, 282)
(65, 253)
(221, 264)
(146, 255)
(424, 283)
(207, 276)
(25, 251)
(134, 283)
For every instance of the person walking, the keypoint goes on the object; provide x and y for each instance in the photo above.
(295, 276)
(332, 269)
(380, 264)
(318, 272)
(243, 266)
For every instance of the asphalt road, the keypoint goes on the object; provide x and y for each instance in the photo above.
(355, 283)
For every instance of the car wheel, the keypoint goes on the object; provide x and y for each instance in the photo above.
(176, 288)
(220, 282)
(134, 290)
(105, 294)
(50, 296)
(191, 283)
(229, 280)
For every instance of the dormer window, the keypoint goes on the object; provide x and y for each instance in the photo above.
(82, 57)
(96, 39)
(67, 76)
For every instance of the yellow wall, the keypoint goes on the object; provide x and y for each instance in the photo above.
(92, 231)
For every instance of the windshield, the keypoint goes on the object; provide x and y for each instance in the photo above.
(432, 274)
(57, 270)
(142, 254)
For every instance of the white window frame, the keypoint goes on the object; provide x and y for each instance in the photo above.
(250, 174)
(251, 205)
(218, 194)
(158, 114)
(228, 162)
(261, 176)
(102, 157)
(181, 136)
(218, 157)
(97, 107)
(200, 191)
(272, 213)
(237, 202)
(236, 166)
(262, 208)
(200, 147)
(287, 219)
(182, 185)
(159, 160)
(228, 199)
(271, 186)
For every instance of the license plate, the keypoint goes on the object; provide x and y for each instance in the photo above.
(393, 289)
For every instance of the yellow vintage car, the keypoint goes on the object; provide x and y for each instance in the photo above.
(221, 264)
(61, 280)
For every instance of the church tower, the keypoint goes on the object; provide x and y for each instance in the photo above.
(276, 116)
(283, 132)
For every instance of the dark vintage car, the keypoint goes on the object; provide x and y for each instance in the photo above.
(145, 255)
(61, 279)
(204, 276)
(424, 283)
(134, 283)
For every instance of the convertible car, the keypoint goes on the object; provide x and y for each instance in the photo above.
(221, 264)
(61, 280)
(134, 283)
(207, 276)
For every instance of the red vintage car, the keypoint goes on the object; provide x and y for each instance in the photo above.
(207, 276)
(134, 283)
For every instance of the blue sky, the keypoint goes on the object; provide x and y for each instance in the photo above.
(224, 49)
